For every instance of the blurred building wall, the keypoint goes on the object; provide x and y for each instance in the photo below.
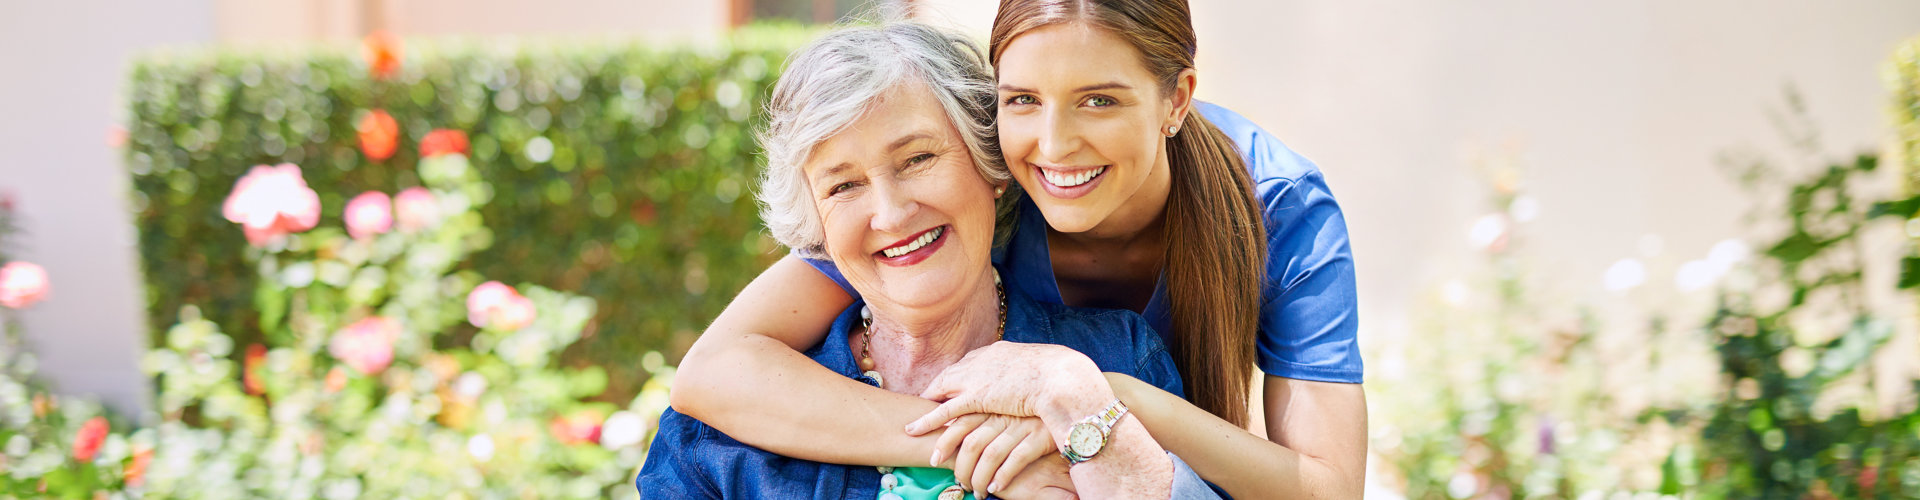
(251, 21)
(64, 63)
(1615, 113)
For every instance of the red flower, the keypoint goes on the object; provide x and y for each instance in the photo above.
(582, 427)
(379, 134)
(443, 141)
(273, 201)
(250, 375)
(87, 442)
(136, 471)
(382, 53)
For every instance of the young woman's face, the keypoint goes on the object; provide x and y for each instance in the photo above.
(1082, 125)
(908, 218)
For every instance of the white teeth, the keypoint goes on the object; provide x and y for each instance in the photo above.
(1064, 180)
(922, 241)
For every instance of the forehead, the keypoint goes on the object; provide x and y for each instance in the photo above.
(905, 110)
(1070, 53)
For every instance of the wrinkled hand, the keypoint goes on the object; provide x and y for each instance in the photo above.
(989, 450)
(1045, 479)
(1008, 378)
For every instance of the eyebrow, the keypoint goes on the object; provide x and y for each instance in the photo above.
(1088, 88)
(903, 140)
(895, 145)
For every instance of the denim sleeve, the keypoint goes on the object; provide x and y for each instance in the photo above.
(1154, 364)
(832, 272)
(1187, 484)
(669, 471)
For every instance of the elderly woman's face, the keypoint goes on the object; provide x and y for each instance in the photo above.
(908, 218)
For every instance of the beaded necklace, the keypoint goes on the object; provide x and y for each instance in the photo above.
(919, 482)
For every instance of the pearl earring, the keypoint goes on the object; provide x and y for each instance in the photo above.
(999, 191)
(1171, 130)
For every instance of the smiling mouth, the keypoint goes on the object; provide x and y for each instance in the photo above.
(1067, 180)
(926, 238)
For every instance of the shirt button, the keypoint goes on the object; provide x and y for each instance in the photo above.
(889, 481)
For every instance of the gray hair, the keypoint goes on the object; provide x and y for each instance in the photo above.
(832, 81)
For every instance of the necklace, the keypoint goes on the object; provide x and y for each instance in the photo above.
(866, 331)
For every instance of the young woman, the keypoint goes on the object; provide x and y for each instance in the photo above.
(872, 150)
(1148, 206)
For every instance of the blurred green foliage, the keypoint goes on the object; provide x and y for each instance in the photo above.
(620, 171)
(1797, 414)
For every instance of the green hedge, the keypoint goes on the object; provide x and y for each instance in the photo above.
(620, 171)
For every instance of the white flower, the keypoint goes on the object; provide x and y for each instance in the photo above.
(1625, 275)
(481, 447)
(622, 429)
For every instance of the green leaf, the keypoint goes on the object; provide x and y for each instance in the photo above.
(1904, 208)
(1909, 272)
(1798, 247)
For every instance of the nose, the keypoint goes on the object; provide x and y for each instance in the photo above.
(1059, 137)
(897, 207)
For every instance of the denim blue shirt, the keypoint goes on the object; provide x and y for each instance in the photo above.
(689, 459)
(1309, 317)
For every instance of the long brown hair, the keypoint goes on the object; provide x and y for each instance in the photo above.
(1216, 238)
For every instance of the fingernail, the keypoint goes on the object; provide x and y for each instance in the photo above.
(993, 488)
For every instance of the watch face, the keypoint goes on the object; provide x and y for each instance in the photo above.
(1085, 439)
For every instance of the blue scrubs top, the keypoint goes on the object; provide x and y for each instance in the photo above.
(1309, 321)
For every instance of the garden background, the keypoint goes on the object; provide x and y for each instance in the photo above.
(1571, 224)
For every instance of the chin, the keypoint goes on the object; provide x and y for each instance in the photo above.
(918, 291)
(1069, 218)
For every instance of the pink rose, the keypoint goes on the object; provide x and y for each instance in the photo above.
(416, 209)
(498, 306)
(369, 214)
(270, 202)
(22, 284)
(366, 345)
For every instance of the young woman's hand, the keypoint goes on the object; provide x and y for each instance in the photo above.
(989, 450)
(1052, 382)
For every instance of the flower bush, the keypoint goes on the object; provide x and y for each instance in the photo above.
(619, 171)
(50, 446)
(1511, 393)
(365, 385)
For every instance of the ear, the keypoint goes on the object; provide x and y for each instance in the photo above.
(1181, 99)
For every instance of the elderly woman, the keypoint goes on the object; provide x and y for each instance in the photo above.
(881, 158)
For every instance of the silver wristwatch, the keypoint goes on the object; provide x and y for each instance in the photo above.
(1088, 436)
